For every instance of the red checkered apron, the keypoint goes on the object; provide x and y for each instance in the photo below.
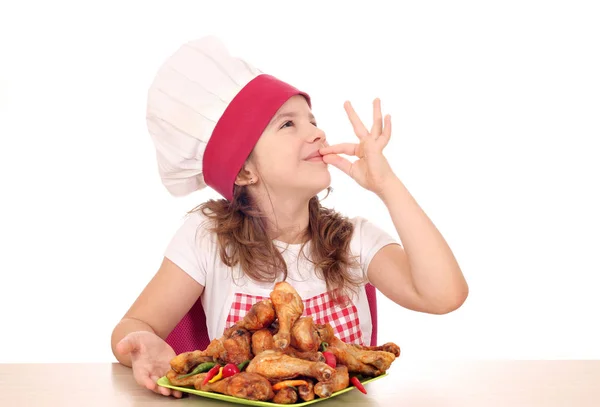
(321, 308)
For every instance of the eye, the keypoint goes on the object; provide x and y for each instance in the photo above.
(291, 123)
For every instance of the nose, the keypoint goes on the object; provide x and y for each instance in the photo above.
(318, 136)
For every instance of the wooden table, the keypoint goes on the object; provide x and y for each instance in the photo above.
(410, 383)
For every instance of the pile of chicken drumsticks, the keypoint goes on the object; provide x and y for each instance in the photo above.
(275, 354)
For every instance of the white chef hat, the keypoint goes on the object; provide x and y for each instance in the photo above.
(205, 112)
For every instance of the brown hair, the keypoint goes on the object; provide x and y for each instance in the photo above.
(243, 239)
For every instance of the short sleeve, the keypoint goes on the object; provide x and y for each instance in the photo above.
(190, 246)
(368, 239)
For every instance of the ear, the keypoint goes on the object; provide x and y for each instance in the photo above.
(246, 177)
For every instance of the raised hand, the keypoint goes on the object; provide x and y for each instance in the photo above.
(372, 170)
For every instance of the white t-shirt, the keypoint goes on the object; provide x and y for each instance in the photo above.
(229, 293)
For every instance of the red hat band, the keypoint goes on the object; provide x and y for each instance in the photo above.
(239, 128)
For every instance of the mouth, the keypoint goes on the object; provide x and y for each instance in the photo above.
(314, 157)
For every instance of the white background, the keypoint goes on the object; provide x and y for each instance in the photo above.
(496, 115)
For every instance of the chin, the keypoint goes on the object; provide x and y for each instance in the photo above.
(320, 183)
(306, 184)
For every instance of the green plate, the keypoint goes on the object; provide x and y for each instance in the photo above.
(164, 382)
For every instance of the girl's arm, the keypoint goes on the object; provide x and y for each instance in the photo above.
(161, 305)
(426, 276)
(423, 275)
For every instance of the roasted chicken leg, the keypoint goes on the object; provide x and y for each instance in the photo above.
(340, 382)
(386, 347)
(305, 336)
(358, 359)
(307, 393)
(261, 315)
(233, 348)
(263, 340)
(277, 366)
(243, 385)
(287, 395)
(289, 307)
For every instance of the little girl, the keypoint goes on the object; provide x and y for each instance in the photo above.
(217, 121)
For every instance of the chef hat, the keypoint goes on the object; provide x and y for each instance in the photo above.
(205, 112)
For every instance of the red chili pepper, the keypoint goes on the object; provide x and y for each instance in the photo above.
(330, 359)
(229, 370)
(211, 373)
(358, 384)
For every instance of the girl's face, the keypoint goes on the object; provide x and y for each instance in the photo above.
(286, 158)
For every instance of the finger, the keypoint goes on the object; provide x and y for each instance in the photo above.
(177, 394)
(377, 124)
(342, 148)
(159, 389)
(149, 383)
(386, 133)
(127, 345)
(359, 128)
(340, 163)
